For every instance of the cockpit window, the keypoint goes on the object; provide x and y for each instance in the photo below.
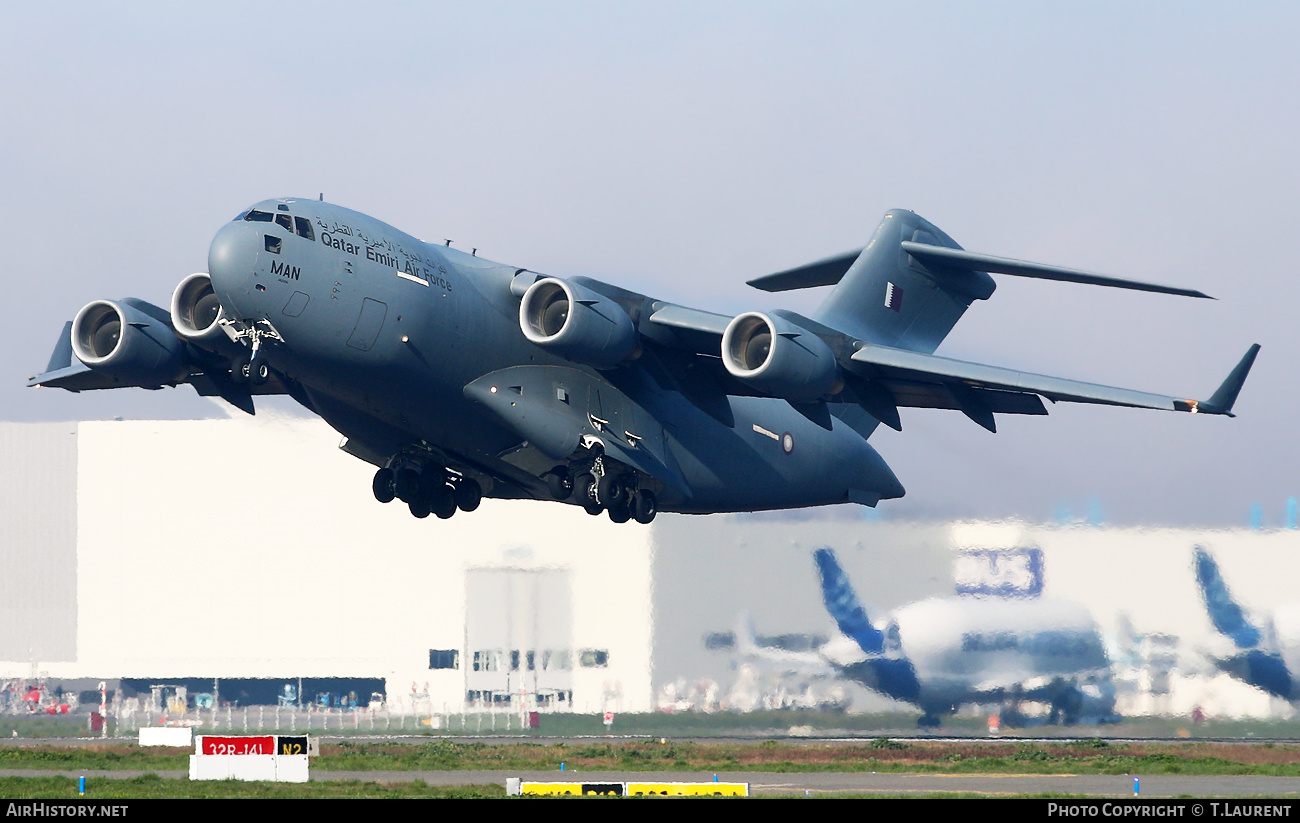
(255, 216)
(304, 228)
(284, 220)
(271, 243)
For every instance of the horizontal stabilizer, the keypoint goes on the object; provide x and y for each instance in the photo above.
(889, 364)
(971, 261)
(825, 272)
(830, 270)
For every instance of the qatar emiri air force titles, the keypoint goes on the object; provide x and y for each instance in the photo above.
(459, 378)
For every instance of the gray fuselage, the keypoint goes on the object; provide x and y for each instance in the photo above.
(383, 333)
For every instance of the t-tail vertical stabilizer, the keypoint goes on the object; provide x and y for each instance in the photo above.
(1228, 617)
(1259, 662)
(890, 298)
(843, 604)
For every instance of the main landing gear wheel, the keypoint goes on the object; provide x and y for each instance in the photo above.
(559, 483)
(407, 484)
(610, 491)
(444, 506)
(644, 506)
(619, 513)
(419, 507)
(434, 489)
(383, 486)
(584, 492)
(468, 494)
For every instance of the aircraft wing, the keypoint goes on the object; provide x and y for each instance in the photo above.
(881, 379)
(684, 327)
(884, 379)
(913, 378)
(66, 371)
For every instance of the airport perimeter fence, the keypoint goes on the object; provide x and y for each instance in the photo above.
(333, 721)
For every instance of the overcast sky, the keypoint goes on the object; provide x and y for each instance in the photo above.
(681, 148)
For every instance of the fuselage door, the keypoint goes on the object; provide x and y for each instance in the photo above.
(369, 323)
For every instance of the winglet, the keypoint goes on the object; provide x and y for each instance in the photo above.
(1228, 617)
(843, 604)
(1225, 396)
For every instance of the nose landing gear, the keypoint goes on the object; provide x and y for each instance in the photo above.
(251, 366)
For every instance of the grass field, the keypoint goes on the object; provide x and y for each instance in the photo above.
(880, 755)
(46, 744)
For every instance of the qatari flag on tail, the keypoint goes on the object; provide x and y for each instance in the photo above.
(893, 297)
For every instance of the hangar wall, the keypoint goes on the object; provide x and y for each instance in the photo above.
(253, 548)
(38, 541)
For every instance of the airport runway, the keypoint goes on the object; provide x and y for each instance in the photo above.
(813, 783)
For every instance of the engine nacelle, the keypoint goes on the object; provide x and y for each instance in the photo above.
(196, 312)
(779, 358)
(577, 323)
(126, 341)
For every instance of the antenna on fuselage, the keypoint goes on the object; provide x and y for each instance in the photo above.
(446, 242)
(322, 197)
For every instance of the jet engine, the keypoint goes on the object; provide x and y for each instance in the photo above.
(577, 323)
(779, 358)
(130, 341)
(195, 312)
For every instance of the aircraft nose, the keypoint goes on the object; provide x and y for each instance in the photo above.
(232, 262)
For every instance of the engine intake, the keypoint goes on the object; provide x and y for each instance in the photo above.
(577, 323)
(196, 311)
(123, 340)
(779, 358)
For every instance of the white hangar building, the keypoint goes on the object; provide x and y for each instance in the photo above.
(251, 549)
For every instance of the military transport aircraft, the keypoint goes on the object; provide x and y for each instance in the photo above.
(941, 653)
(461, 378)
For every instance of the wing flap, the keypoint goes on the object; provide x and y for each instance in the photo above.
(939, 396)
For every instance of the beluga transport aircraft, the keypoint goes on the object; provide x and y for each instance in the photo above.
(945, 652)
(459, 378)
